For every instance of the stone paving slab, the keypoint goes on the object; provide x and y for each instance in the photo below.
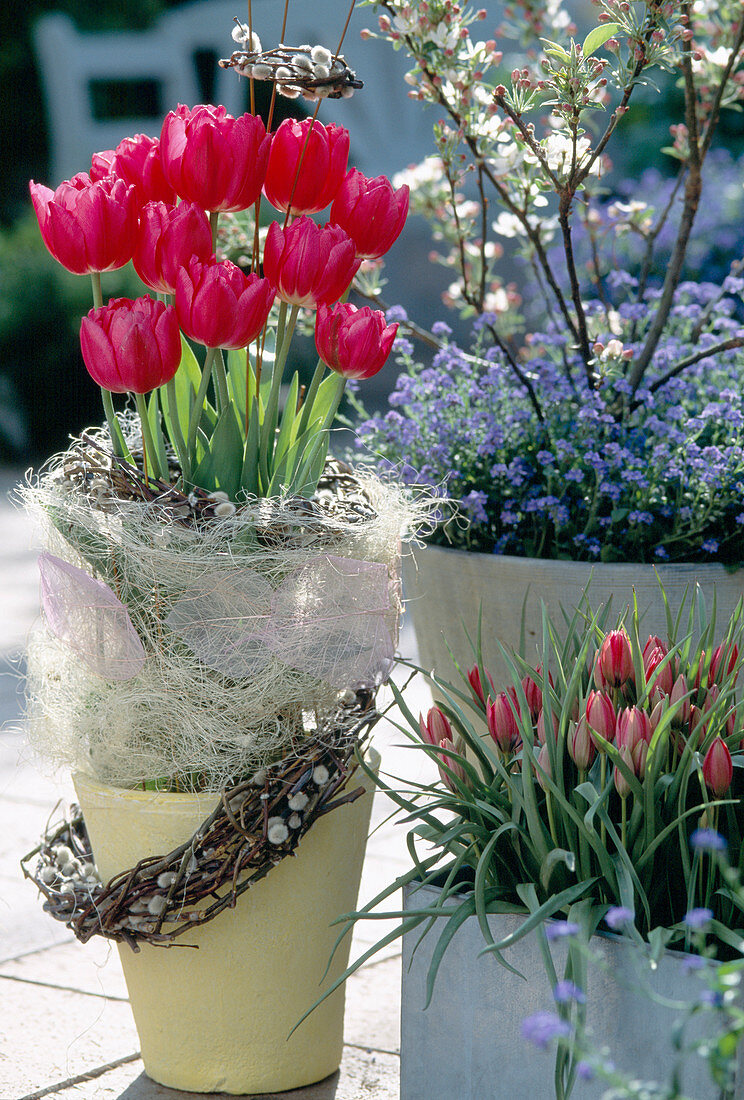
(363, 1076)
(50, 1035)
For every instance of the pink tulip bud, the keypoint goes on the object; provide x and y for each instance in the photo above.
(654, 642)
(723, 663)
(308, 264)
(639, 754)
(87, 226)
(137, 161)
(540, 726)
(213, 159)
(633, 725)
(718, 768)
(711, 697)
(622, 785)
(452, 763)
(533, 692)
(371, 212)
(657, 713)
(435, 727)
(680, 695)
(131, 346)
(616, 658)
(168, 237)
(543, 766)
(307, 164)
(600, 716)
(581, 746)
(219, 305)
(503, 723)
(476, 686)
(353, 342)
(657, 673)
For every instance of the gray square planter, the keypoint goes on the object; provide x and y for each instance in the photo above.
(468, 1044)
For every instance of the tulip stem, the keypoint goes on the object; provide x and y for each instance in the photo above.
(198, 408)
(118, 445)
(148, 443)
(271, 414)
(175, 428)
(307, 405)
(623, 820)
(220, 379)
(214, 218)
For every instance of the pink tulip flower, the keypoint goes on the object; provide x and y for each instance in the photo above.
(371, 212)
(131, 346)
(213, 159)
(718, 768)
(136, 160)
(308, 264)
(353, 342)
(307, 164)
(723, 662)
(622, 785)
(218, 305)
(168, 237)
(87, 226)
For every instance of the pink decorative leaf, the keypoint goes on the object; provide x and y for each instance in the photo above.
(223, 621)
(85, 614)
(330, 619)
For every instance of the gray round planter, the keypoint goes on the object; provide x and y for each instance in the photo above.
(445, 589)
(468, 1044)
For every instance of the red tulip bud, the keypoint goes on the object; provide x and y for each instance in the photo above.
(723, 662)
(640, 752)
(581, 746)
(657, 714)
(476, 686)
(662, 678)
(654, 642)
(616, 658)
(540, 727)
(680, 695)
(600, 716)
(622, 786)
(307, 165)
(543, 766)
(633, 725)
(371, 212)
(435, 727)
(718, 768)
(503, 725)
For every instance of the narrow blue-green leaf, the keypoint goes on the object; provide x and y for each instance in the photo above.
(156, 428)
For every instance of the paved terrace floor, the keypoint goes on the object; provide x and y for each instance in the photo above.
(66, 1029)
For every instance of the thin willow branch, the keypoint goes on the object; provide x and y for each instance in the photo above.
(718, 98)
(653, 235)
(725, 345)
(693, 190)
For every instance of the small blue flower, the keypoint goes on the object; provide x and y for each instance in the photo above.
(542, 1027)
(618, 915)
(565, 991)
(584, 1071)
(708, 840)
(711, 546)
(711, 997)
(696, 919)
(558, 929)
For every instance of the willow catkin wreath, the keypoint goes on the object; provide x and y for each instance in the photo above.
(256, 824)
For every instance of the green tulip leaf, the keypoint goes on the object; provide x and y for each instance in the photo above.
(221, 466)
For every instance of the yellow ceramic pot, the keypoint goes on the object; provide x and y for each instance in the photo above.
(218, 1019)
